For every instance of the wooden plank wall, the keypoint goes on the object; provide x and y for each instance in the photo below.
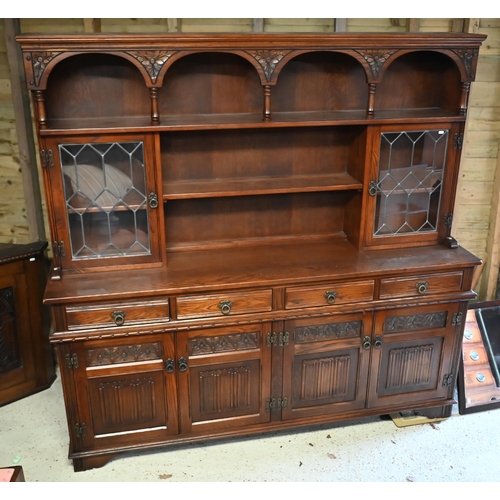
(477, 214)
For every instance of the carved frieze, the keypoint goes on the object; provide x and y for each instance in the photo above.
(268, 60)
(318, 333)
(152, 61)
(223, 343)
(396, 324)
(467, 56)
(123, 354)
(375, 58)
(39, 61)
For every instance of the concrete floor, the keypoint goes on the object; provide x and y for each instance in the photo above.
(460, 449)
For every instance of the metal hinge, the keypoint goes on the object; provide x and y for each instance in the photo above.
(81, 430)
(58, 249)
(448, 220)
(282, 339)
(458, 141)
(72, 361)
(46, 158)
(456, 319)
(447, 379)
(276, 404)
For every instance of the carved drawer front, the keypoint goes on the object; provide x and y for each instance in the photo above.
(329, 294)
(417, 286)
(224, 304)
(117, 314)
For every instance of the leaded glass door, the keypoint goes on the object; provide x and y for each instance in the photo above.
(406, 194)
(110, 201)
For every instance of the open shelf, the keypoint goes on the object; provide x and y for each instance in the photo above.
(228, 121)
(261, 185)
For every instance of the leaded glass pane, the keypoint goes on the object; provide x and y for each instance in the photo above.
(105, 192)
(411, 169)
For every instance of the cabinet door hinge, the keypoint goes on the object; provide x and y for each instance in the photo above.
(46, 158)
(447, 379)
(276, 404)
(81, 430)
(282, 339)
(456, 319)
(71, 361)
(448, 220)
(58, 249)
(458, 141)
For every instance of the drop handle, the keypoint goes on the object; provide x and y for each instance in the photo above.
(169, 365)
(225, 306)
(367, 342)
(183, 365)
(378, 342)
(118, 317)
(422, 287)
(330, 296)
(153, 200)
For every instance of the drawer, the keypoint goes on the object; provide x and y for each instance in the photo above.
(417, 286)
(329, 294)
(224, 304)
(117, 314)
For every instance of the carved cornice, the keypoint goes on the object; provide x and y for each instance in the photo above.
(375, 58)
(123, 354)
(268, 60)
(467, 57)
(415, 322)
(223, 343)
(152, 61)
(330, 331)
(39, 61)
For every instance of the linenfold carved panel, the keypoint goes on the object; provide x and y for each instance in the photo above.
(426, 321)
(325, 377)
(124, 354)
(225, 389)
(127, 402)
(409, 366)
(329, 331)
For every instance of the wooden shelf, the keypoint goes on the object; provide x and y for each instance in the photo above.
(257, 186)
(247, 120)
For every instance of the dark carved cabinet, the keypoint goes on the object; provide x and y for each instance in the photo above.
(250, 232)
(26, 359)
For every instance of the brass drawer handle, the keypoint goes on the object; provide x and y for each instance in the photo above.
(422, 287)
(118, 317)
(225, 306)
(330, 296)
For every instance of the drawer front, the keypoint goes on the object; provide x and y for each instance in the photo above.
(117, 314)
(417, 286)
(329, 294)
(224, 304)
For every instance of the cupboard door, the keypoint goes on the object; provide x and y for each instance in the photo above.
(411, 183)
(412, 355)
(109, 209)
(125, 393)
(224, 377)
(325, 365)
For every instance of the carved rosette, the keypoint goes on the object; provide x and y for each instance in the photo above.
(39, 61)
(223, 343)
(467, 57)
(268, 60)
(123, 354)
(330, 331)
(152, 61)
(375, 58)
